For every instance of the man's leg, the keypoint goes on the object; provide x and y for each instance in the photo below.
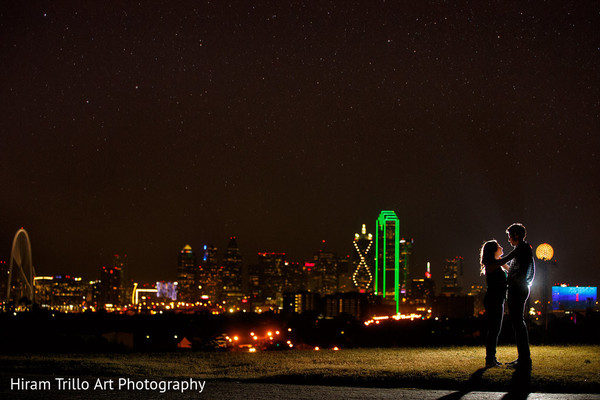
(517, 297)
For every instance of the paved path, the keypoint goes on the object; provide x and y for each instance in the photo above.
(219, 390)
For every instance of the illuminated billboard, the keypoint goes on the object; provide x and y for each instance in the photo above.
(574, 297)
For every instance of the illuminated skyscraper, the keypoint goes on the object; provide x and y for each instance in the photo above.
(329, 273)
(210, 255)
(422, 291)
(269, 282)
(186, 275)
(119, 265)
(323, 277)
(210, 274)
(363, 257)
(392, 258)
(405, 261)
(232, 273)
(451, 273)
(112, 283)
(111, 287)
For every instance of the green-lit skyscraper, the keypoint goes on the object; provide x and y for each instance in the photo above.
(391, 262)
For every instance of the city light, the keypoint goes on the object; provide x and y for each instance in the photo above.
(377, 319)
(544, 252)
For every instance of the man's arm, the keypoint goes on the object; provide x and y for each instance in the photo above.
(504, 260)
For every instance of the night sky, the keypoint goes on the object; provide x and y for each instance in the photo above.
(140, 128)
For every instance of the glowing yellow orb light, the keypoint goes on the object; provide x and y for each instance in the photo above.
(544, 252)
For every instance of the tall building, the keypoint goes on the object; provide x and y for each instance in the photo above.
(345, 270)
(451, 276)
(111, 287)
(406, 248)
(363, 260)
(422, 290)
(4, 271)
(210, 275)
(210, 255)
(187, 277)
(232, 273)
(392, 259)
(295, 277)
(270, 277)
(119, 263)
(326, 274)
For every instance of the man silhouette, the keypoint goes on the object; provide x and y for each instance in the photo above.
(520, 277)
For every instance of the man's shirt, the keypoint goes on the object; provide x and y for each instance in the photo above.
(522, 265)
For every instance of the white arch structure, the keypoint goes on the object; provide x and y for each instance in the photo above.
(20, 257)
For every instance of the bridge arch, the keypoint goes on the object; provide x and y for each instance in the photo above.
(21, 268)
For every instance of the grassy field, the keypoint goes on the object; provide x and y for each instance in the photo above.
(555, 369)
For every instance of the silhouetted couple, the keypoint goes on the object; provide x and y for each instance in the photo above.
(513, 274)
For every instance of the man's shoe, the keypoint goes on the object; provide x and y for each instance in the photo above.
(520, 364)
(492, 363)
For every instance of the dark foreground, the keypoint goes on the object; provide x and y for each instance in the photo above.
(219, 390)
(444, 374)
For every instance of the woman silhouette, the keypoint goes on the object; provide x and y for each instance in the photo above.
(495, 277)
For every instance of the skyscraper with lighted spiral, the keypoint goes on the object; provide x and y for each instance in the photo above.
(363, 258)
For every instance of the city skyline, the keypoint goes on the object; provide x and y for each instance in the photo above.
(220, 256)
(207, 284)
(140, 128)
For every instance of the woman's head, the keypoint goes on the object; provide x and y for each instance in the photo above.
(488, 253)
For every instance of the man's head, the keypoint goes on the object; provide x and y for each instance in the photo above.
(516, 233)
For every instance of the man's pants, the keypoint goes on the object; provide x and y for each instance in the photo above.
(517, 297)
